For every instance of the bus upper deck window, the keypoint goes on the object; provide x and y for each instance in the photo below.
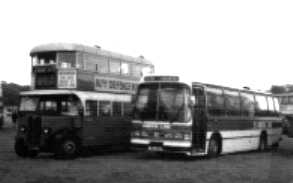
(125, 68)
(66, 59)
(52, 62)
(115, 66)
(42, 61)
(35, 61)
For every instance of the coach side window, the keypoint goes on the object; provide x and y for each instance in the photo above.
(261, 106)
(271, 109)
(290, 100)
(277, 105)
(91, 108)
(215, 101)
(284, 100)
(232, 102)
(247, 104)
(199, 95)
(105, 108)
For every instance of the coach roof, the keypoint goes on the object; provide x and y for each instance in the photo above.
(88, 49)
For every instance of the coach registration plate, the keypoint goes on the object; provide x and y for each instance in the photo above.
(155, 148)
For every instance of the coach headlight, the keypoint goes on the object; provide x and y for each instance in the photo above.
(178, 136)
(135, 134)
(144, 134)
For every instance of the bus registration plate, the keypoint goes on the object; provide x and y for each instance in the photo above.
(155, 148)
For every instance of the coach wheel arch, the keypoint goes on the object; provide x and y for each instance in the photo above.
(215, 145)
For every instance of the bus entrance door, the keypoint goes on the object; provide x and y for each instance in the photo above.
(199, 119)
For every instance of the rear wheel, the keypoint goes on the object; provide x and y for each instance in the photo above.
(20, 148)
(214, 147)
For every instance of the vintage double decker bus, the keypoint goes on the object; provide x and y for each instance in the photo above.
(286, 109)
(80, 97)
(202, 119)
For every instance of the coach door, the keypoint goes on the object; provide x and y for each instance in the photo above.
(199, 118)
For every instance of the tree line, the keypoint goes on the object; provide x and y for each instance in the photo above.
(11, 91)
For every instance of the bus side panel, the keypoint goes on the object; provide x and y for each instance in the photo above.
(272, 126)
(240, 140)
(106, 131)
(85, 81)
(92, 131)
(238, 134)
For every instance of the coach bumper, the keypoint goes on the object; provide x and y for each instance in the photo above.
(169, 146)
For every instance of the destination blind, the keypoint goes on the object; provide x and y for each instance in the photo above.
(115, 85)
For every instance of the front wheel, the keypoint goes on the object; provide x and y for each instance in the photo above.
(67, 148)
(21, 149)
(214, 148)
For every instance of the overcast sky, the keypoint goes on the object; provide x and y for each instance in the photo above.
(232, 43)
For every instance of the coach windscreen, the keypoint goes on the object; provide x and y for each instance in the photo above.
(162, 102)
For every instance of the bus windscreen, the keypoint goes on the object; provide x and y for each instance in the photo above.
(64, 105)
(162, 102)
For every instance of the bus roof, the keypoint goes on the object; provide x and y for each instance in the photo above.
(88, 49)
(229, 88)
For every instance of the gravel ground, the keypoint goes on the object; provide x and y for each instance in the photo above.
(129, 167)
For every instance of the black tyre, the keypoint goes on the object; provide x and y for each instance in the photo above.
(67, 148)
(275, 146)
(21, 149)
(214, 147)
(262, 143)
